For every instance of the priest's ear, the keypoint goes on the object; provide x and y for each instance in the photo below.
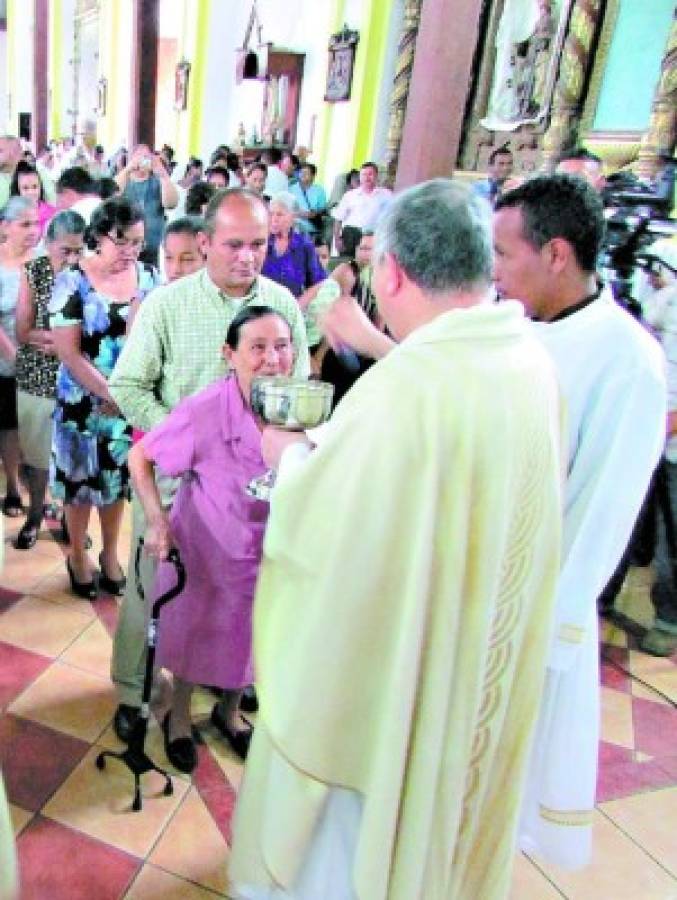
(391, 275)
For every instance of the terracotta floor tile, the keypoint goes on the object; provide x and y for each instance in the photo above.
(192, 846)
(69, 700)
(616, 725)
(153, 884)
(18, 669)
(610, 675)
(528, 883)
(655, 727)
(650, 820)
(624, 779)
(91, 650)
(20, 818)
(619, 870)
(35, 760)
(98, 803)
(19, 574)
(55, 588)
(58, 863)
(664, 680)
(40, 626)
(231, 766)
(647, 693)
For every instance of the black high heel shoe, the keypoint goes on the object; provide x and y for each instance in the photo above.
(113, 586)
(28, 535)
(181, 751)
(84, 589)
(239, 740)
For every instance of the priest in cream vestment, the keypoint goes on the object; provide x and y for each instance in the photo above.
(406, 594)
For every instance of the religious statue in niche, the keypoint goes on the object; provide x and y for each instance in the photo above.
(528, 46)
(340, 69)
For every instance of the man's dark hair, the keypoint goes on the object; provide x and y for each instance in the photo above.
(311, 167)
(272, 156)
(249, 314)
(560, 206)
(499, 151)
(107, 187)
(76, 179)
(198, 194)
(369, 165)
(218, 170)
(580, 153)
(192, 225)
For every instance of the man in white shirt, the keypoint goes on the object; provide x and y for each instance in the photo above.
(280, 167)
(360, 209)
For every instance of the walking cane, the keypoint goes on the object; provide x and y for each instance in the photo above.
(135, 757)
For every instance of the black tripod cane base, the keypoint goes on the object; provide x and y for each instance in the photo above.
(135, 757)
(138, 762)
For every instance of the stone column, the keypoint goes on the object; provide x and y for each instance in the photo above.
(442, 70)
(401, 82)
(568, 98)
(40, 70)
(146, 17)
(660, 136)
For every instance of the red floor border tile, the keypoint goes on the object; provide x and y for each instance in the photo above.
(18, 669)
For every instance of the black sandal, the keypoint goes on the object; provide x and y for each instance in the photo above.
(239, 740)
(12, 506)
(113, 586)
(84, 589)
(28, 535)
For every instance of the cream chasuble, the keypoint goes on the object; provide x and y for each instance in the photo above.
(8, 872)
(402, 608)
(611, 373)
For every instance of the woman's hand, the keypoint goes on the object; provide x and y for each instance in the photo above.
(274, 442)
(158, 540)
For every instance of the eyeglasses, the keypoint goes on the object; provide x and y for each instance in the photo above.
(136, 244)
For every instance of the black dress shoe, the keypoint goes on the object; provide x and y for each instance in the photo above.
(124, 721)
(249, 701)
(113, 586)
(181, 751)
(239, 740)
(84, 589)
(28, 535)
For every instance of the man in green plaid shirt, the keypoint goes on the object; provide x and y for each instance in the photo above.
(175, 349)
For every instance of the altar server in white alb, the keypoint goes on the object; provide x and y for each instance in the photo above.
(548, 234)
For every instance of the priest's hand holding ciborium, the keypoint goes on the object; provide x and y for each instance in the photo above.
(289, 404)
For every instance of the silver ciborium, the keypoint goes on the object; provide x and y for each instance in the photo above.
(291, 404)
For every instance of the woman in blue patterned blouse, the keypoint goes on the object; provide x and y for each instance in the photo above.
(89, 309)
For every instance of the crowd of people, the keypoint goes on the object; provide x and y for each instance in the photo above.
(428, 602)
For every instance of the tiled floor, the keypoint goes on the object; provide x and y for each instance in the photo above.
(77, 837)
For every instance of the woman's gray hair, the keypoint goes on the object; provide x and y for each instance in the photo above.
(440, 233)
(65, 223)
(15, 207)
(286, 199)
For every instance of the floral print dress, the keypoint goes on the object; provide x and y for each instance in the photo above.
(89, 449)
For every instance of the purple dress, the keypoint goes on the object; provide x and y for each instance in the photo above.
(212, 440)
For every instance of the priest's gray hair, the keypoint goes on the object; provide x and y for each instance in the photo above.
(15, 207)
(440, 234)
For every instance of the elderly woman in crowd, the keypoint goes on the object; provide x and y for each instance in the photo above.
(21, 232)
(89, 450)
(27, 182)
(36, 362)
(213, 442)
(291, 258)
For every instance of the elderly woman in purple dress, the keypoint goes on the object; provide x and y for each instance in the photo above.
(212, 441)
(291, 259)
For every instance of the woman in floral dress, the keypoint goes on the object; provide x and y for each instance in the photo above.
(89, 311)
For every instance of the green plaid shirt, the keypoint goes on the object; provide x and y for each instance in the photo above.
(175, 346)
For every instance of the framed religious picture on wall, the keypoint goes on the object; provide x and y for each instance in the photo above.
(181, 85)
(342, 47)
